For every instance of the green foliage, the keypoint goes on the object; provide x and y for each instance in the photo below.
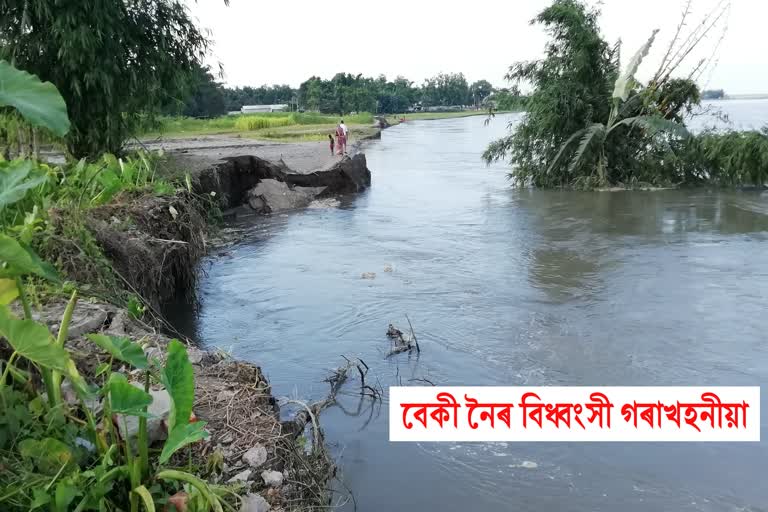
(21, 260)
(122, 349)
(38, 102)
(39, 442)
(572, 90)
(480, 91)
(346, 93)
(589, 126)
(32, 341)
(15, 181)
(100, 182)
(48, 455)
(626, 81)
(181, 436)
(198, 484)
(8, 291)
(115, 63)
(43, 206)
(178, 378)
(126, 398)
(727, 159)
(204, 98)
(135, 308)
(446, 89)
(146, 498)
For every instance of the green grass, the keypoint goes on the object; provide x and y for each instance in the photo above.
(288, 127)
(268, 125)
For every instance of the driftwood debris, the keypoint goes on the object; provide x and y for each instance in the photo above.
(401, 342)
(310, 412)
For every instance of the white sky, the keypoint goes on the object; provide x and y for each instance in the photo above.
(287, 41)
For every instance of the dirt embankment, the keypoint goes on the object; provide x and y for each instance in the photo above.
(248, 445)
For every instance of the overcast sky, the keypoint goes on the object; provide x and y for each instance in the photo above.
(287, 41)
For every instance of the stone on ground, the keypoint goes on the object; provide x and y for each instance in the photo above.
(254, 503)
(271, 196)
(255, 456)
(272, 478)
(242, 476)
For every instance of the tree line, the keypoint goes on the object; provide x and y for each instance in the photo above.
(344, 93)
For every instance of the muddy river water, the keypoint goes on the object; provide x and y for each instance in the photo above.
(506, 287)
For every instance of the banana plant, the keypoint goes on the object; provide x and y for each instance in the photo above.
(596, 134)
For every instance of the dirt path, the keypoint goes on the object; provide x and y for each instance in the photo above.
(199, 153)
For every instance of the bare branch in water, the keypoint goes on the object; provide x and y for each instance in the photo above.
(422, 380)
(413, 334)
(338, 377)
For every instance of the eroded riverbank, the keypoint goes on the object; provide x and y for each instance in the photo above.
(153, 244)
(504, 287)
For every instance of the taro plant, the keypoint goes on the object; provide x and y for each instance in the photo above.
(68, 451)
(38, 102)
(127, 402)
(118, 459)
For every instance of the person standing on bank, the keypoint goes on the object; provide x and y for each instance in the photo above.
(346, 135)
(331, 142)
(341, 138)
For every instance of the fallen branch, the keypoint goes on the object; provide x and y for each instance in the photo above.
(413, 334)
(310, 413)
(312, 417)
(402, 344)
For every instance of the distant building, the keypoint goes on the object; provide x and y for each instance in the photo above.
(253, 109)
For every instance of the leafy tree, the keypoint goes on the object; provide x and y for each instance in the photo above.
(572, 87)
(445, 89)
(236, 98)
(479, 91)
(587, 126)
(205, 98)
(347, 93)
(115, 62)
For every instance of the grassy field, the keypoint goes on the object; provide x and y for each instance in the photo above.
(287, 127)
(281, 126)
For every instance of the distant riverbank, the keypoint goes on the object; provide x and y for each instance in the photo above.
(287, 126)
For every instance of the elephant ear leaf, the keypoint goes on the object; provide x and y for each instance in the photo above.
(121, 349)
(21, 260)
(179, 380)
(33, 341)
(180, 437)
(40, 103)
(15, 181)
(126, 398)
(8, 291)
